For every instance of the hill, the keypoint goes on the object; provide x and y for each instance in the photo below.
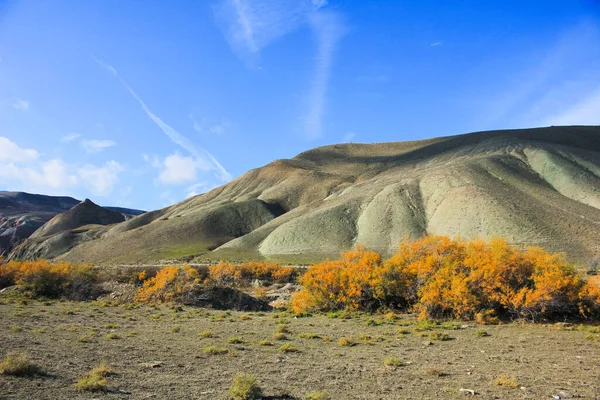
(533, 187)
(21, 214)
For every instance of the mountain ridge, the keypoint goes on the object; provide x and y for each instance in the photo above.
(534, 186)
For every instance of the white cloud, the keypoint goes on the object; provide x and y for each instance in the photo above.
(178, 169)
(101, 180)
(348, 137)
(22, 169)
(49, 176)
(10, 151)
(203, 158)
(434, 44)
(217, 129)
(251, 25)
(70, 137)
(20, 104)
(96, 146)
(199, 188)
(584, 112)
(328, 29)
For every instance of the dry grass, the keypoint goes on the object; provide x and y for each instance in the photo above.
(288, 348)
(346, 342)
(18, 364)
(245, 387)
(361, 372)
(506, 381)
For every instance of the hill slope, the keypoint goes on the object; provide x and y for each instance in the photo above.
(533, 187)
(21, 214)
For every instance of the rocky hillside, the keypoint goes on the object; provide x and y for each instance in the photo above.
(21, 214)
(533, 187)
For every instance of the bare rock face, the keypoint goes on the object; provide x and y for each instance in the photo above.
(533, 187)
(21, 214)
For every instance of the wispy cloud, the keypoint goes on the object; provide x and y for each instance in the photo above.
(251, 25)
(328, 30)
(205, 127)
(70, 137)
(96, 146)
(584, 112)
(20, 104)
(205, 160)
(557, 87)
(348, 137)
(434, 44)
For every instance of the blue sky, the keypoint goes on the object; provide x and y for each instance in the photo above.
(144, 103)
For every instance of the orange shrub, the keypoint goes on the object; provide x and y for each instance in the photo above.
(169, 284)
(42, 278)
(228, 274)
(442, 277)
(341, 284)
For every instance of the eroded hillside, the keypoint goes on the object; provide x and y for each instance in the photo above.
(533, 187)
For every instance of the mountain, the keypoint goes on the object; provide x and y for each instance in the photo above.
(21, 214)
(533, 186)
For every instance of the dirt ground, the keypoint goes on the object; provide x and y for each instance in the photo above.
(158, 353)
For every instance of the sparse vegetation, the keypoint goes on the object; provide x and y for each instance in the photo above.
(18, 364)
(347, 342)
(439, 336)
(95, 380)
(214, 350)
(206, 334)
(481, 333)
(393, 362)
(317, 396)
(288, 348)
(309, 336)
(506, 381)
(245, 387)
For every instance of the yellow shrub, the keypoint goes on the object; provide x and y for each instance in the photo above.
(341, 284)
(442, 277)
(169, 284)
(43, 278)
(228, 274)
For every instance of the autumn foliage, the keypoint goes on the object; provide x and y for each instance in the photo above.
(169, 284)
(240, 275)
(46, 279)
(441, 277)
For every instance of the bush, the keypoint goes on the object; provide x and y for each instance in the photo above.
(169, 284)
(17, 364)
(242, 275)
(345, 284)
(393, 362)
(245, 387)
(507, 381)
(44, 279)
(94, 380)
(439, 277)
(288, 348)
